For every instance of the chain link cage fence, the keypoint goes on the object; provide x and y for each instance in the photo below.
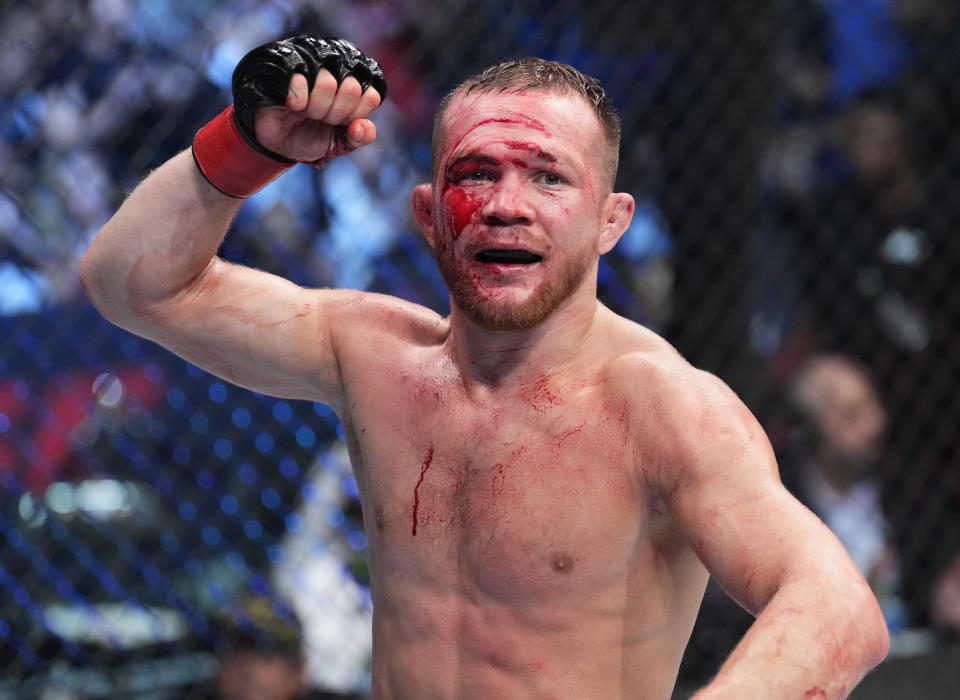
(795, 168)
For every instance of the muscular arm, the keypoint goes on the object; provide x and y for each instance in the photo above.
(153, 269)
(818, 627)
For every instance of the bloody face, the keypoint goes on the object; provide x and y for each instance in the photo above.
(517, 204)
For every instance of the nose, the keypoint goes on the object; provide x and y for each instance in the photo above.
(507, 204)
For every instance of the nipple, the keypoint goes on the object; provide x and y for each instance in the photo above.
(562, 562)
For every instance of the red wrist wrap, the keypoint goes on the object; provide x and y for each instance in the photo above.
(231, 164)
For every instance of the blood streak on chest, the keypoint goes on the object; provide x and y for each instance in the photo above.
(416, 489)
(558, 440)
(541, 395)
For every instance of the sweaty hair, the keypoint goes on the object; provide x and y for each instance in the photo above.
(531, 75)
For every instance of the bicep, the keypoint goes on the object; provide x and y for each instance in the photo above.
(755, 542)
(254, 329)
(747, 529)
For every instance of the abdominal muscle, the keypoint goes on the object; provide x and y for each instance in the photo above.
(452, 645)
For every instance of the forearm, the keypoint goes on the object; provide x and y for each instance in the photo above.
(813, 640)
(157, 244)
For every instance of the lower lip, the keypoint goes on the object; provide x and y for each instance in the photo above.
(501, 268)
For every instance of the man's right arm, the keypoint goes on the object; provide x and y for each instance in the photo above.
(153, 269)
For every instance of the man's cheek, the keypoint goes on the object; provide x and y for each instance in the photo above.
(463, 208)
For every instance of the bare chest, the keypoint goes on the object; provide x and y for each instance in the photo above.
(535, 495)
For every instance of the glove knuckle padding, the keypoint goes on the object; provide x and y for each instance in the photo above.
(262, 77)
(226, 149)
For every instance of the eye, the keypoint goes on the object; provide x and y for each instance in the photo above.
(548, 178)
(468, 175)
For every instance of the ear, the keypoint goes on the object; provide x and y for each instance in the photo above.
(616, 215)
(421, 202)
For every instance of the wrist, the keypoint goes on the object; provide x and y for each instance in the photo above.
(229, 163)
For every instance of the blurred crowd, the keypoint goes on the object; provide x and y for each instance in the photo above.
(795, 167)
(860, 202)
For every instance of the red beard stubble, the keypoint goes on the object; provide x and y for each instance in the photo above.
(486, 311)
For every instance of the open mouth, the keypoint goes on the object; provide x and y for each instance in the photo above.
(508, 256)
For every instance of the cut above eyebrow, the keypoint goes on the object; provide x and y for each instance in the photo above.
(474, 158)
(531, 148)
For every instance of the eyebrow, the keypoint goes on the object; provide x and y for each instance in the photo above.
(480, 159)
(472, 158)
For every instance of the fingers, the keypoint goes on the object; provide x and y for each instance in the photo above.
(361, 132)
(327, 102)
(369, 101)
(297, 93)
(322, 97)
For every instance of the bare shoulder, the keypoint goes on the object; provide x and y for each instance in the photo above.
(649, 370)
(684, 418)
(362, 322)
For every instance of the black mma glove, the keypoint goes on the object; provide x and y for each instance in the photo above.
(226, 150)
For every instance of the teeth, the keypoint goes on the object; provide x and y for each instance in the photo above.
(508, 256)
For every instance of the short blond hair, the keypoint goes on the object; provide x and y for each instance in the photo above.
(532, 75)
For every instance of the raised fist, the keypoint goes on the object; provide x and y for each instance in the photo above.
(303, 100)
(307, 99)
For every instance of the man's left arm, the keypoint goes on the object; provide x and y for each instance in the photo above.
(818, 627)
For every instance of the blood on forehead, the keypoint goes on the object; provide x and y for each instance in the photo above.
(517, 121)
(562, 114)
(472, 160)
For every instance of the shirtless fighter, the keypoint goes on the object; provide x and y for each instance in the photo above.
(546, 485)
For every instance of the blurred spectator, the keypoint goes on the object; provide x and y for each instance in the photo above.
(837, 448)
(260, 656)
(872, 256)
(945, 599)
(324, 576)
(859, 245)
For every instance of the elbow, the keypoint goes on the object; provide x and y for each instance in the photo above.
(98, 282)
(86, 274)
(91, 283)
(868, 631)
(879, 638)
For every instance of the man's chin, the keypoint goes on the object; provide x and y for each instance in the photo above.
(504, 316)
(506, 307)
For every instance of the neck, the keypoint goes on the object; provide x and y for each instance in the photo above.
(489, 357)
